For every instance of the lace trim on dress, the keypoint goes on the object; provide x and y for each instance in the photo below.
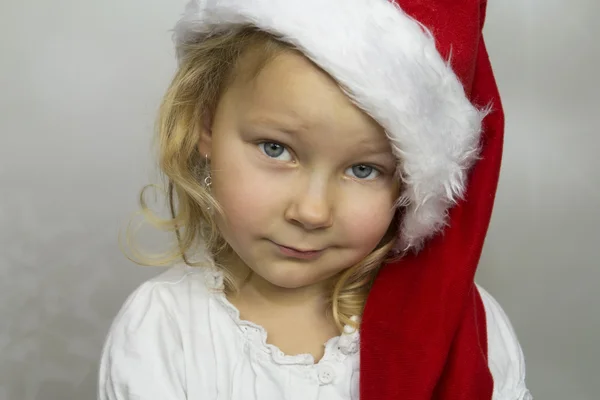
(336, 348)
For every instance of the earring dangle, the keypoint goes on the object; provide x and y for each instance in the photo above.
(207, 179)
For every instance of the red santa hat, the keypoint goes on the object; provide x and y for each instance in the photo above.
(420, 69)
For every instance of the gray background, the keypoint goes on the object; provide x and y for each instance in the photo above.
(79, 86)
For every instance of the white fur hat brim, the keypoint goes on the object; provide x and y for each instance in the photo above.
(388, 64)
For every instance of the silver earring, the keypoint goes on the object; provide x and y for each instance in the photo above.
(207, 179)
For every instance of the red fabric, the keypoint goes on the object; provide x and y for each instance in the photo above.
(423, 334)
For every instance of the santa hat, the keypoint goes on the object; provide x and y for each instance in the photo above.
(420, 69)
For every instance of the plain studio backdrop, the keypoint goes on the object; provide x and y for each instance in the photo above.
(80, 83)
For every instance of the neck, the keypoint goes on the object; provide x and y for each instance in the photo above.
(262, 291)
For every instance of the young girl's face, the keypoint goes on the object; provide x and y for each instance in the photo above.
(305, 179)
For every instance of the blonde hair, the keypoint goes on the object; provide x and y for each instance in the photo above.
(205, 71)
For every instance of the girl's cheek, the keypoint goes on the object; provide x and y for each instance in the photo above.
(245, 191)
(368, 221)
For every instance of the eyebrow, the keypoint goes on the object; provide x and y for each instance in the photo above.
(374, 147)
(294, 126)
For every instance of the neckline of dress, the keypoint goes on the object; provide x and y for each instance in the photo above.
(337, 348)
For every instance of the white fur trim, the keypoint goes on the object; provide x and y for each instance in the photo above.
(389, 66)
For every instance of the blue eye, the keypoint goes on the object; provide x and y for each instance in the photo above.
(362, 171)
(275, 150)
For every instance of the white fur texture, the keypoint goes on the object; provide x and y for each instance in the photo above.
(388, 64)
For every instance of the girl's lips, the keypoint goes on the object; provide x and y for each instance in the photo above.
(300, 254)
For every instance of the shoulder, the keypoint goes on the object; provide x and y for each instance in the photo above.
(146, 339)
(163, 291)
(165, 297)
(505, 356)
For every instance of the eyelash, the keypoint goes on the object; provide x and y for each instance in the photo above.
(285, 149)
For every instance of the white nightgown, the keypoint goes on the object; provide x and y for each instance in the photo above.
(178, 337)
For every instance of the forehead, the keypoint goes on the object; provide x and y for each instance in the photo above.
(290, 90)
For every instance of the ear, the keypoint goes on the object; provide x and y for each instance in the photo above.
(205, 136)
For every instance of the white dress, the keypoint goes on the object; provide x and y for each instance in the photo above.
(178, 337)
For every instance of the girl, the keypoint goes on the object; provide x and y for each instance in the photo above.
(315, 152)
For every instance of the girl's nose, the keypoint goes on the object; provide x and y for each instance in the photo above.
(311, 207)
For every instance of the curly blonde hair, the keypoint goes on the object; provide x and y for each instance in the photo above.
(205, 71)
